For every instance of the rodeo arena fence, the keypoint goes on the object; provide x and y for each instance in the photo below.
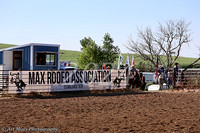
(189, 79)
(13, 82)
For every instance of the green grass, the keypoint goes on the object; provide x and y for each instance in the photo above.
(185, 61)
(73, 56)
(69, 55)
(2, 46)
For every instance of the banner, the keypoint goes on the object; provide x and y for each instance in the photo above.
(74, 80)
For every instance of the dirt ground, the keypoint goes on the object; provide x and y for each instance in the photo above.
(102, 112)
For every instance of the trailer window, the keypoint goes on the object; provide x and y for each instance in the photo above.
(45, 58)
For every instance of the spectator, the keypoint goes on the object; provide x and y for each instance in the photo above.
(175, 74)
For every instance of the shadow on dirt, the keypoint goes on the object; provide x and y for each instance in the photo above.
(103, 93)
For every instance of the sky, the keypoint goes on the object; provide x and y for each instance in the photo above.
(66, 22)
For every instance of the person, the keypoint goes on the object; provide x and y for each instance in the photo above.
(41, 61)
(108, 67)
(160, 81)
(143, 82)
(176, 68)
(126, 65)
(169, 78)
(161, 69)
(132, 69)
(136, 79)
(175, 74)
(161, 77)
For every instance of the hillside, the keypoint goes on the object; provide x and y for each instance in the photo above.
(69, 55)
(2, 46)
(72, 56)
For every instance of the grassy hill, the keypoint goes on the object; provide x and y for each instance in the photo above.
(72, 56)
(2, 46)
(69, 55)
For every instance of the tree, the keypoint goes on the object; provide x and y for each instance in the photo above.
(167, 41)
(110, 52)
(96, 55)
(91, 54)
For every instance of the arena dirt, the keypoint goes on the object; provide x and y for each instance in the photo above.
(102, 112)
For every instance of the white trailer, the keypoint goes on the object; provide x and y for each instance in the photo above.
(149, 77)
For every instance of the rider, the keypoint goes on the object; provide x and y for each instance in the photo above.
(161, 69)
(161, 72)
(134, 77)
(133, 69)
(161, 76)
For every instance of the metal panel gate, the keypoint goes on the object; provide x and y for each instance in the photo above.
(4, 80)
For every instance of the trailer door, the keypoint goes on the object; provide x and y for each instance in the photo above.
(8, 60)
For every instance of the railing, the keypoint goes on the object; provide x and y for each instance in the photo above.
(4, 80)
(189, 79)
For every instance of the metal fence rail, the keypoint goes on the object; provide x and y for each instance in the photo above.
(4, 80)
(189, 79)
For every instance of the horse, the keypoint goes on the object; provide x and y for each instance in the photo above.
(134, 80)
